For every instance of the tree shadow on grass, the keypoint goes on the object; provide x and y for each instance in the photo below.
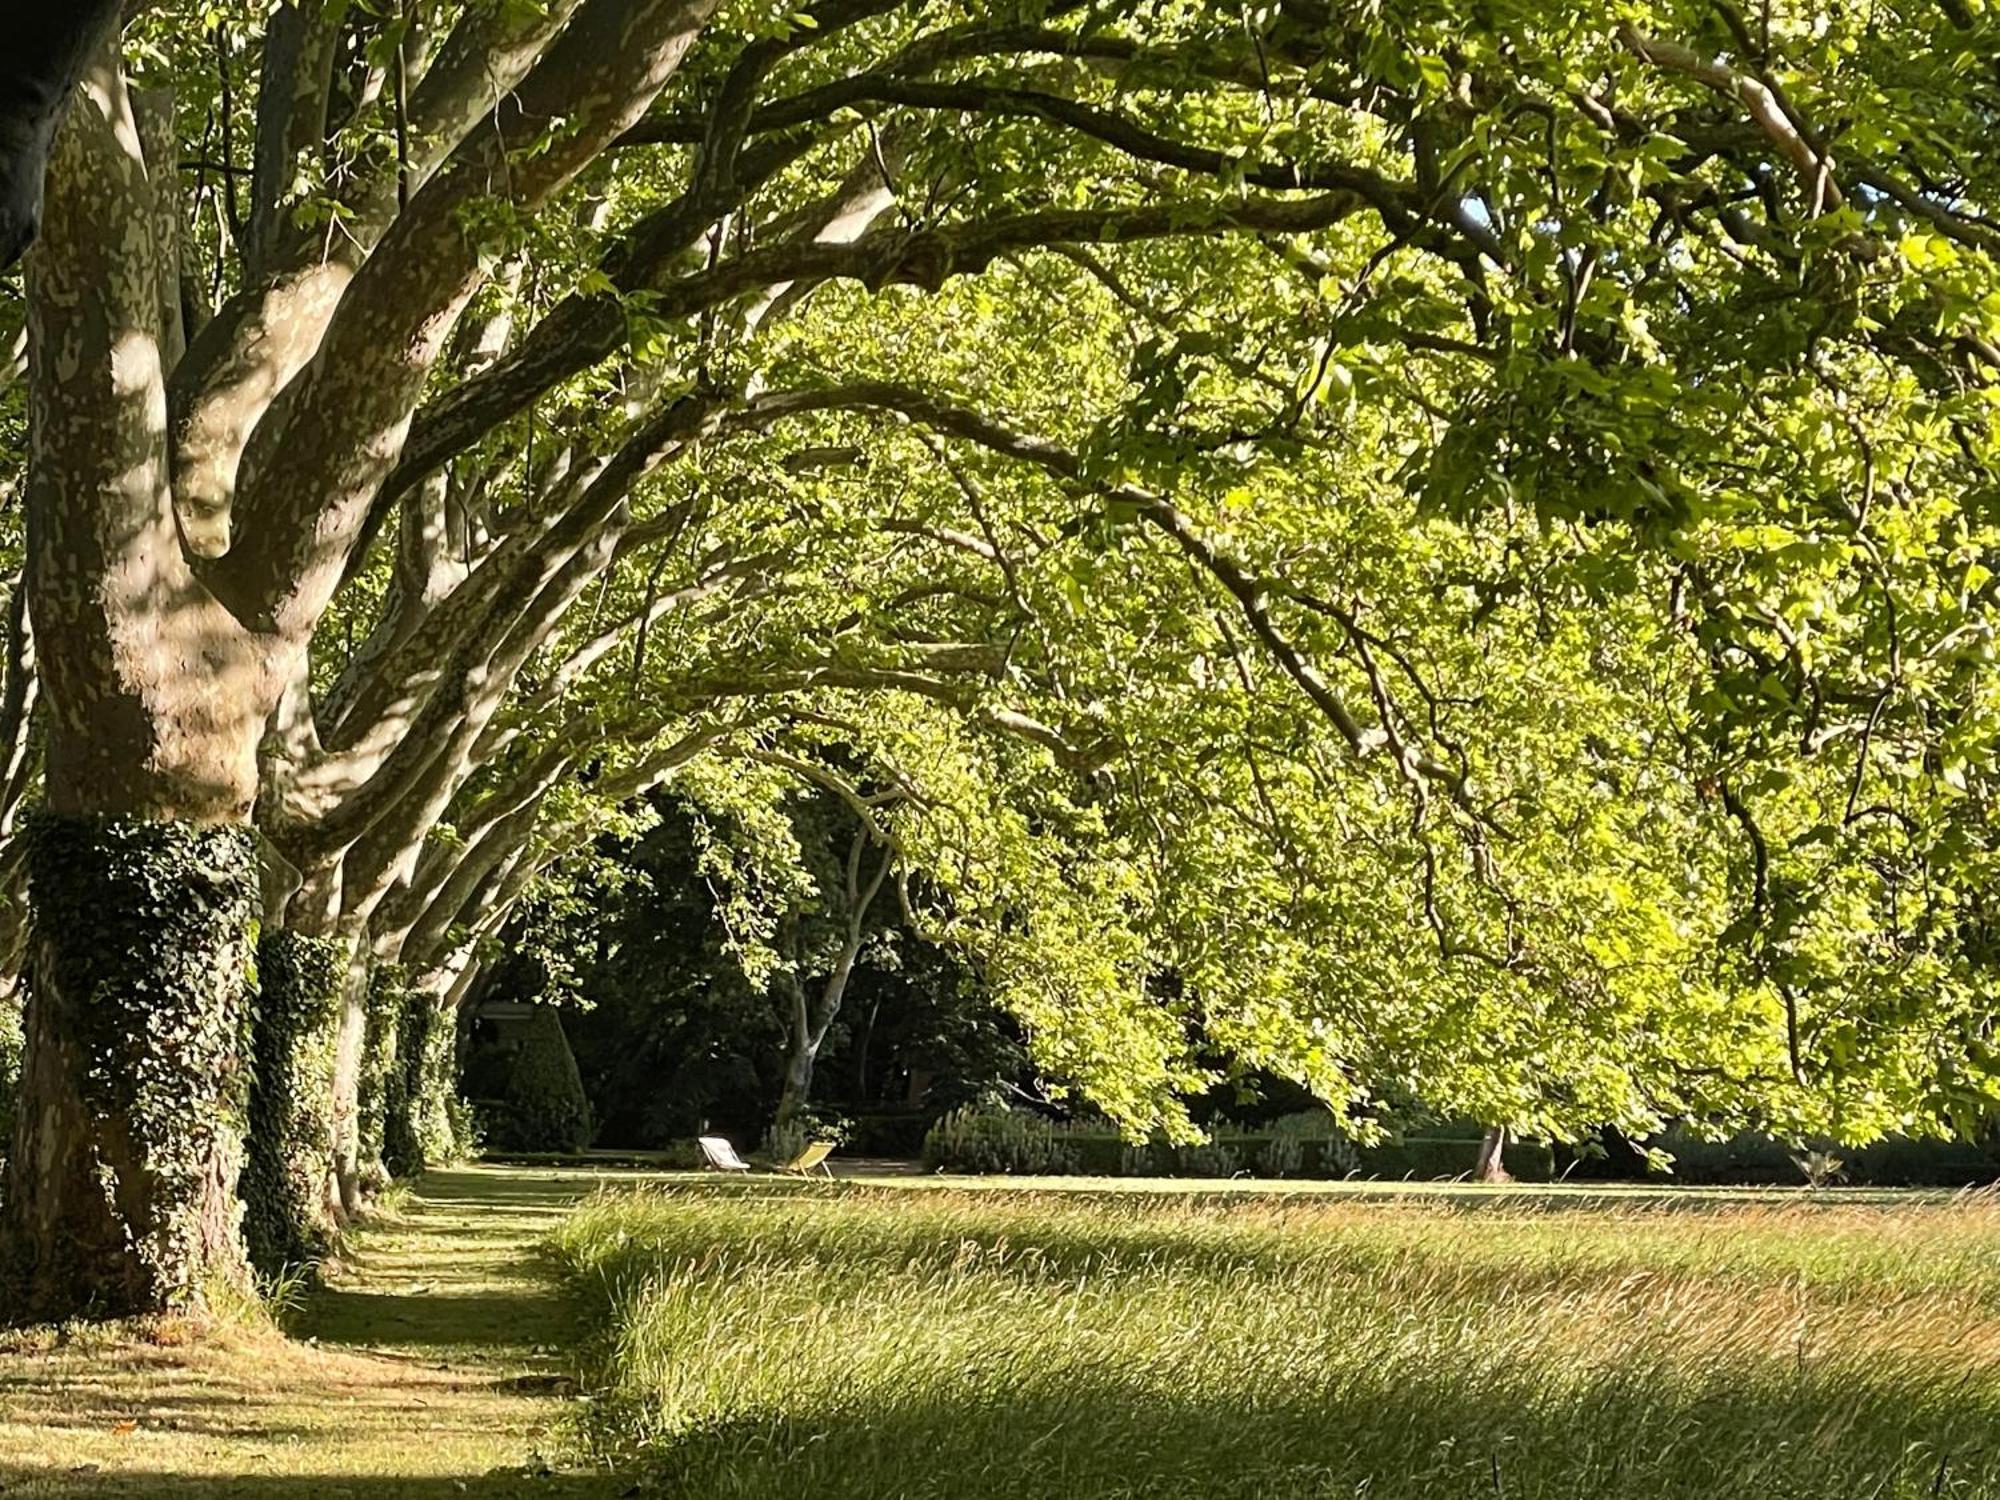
(1097, 1438)
(431, 1320)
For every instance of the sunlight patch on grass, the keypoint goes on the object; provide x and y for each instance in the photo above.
(422, 1372)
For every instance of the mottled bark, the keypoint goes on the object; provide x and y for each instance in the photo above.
(155, 694)
(1491, 1166)
(122, 1194)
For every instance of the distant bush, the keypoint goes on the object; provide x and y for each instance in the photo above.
(1311, 1145)
(1281, 1156)
(531, 1098)
(681, 1156)
(890, 1132)
(1326, 1150)
(1009, 1142)
(1752, 1158)
(1206, 1159)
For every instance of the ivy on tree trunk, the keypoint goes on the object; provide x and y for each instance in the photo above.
(121, 1187)
(288, 1217)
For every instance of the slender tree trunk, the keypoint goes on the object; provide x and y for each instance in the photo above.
(801, 1053)
(1491, 1166)
(861, 1052)
(350, 1056)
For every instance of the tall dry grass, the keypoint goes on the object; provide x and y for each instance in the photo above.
(902, 1346)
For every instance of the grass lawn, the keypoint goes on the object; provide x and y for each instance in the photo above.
(918, 1339)
(430, 1369)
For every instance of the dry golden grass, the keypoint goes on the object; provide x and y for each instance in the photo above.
(904, 1345)
(429, 1372)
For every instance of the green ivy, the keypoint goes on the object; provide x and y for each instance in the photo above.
(143, 932)
(381, 1072)
(291, 1095)
(422, 1125)
(10, 1069)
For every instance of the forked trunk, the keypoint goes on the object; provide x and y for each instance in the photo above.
(121, 1185)
(1492, 1166)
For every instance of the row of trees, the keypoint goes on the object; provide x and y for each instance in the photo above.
(1461, 536)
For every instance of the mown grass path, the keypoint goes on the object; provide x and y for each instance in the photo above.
(433, 1366)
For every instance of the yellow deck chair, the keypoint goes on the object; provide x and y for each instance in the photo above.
(813, 1156)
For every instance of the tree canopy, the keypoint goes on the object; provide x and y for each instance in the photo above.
(1444, 547)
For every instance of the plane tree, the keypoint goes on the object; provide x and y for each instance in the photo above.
(478, 274)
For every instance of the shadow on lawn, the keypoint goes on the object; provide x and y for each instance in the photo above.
(1099, 1439)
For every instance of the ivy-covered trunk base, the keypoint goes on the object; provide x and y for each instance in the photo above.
(409, 1096)
(120, 1193)
(288, 1204)
(350, 1061)
(387, 995)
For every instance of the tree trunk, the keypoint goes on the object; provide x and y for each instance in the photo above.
(861, 1052)
(1491, 1166)
(380, 1067)
(349, 1060)
(810, 1024)
(121, 1185)
(799, 1060)
(418, 1131)
(143, 876)
(288, 1217)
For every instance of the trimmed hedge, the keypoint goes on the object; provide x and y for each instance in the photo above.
(531, 1099)
(1752, 1159)
(1021, 1143)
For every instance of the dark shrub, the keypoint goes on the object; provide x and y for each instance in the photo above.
(530, 1096)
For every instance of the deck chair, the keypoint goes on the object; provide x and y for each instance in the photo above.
(720, 1155)
(813, 1156)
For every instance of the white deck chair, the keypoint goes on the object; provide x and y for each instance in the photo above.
(720, 1155)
